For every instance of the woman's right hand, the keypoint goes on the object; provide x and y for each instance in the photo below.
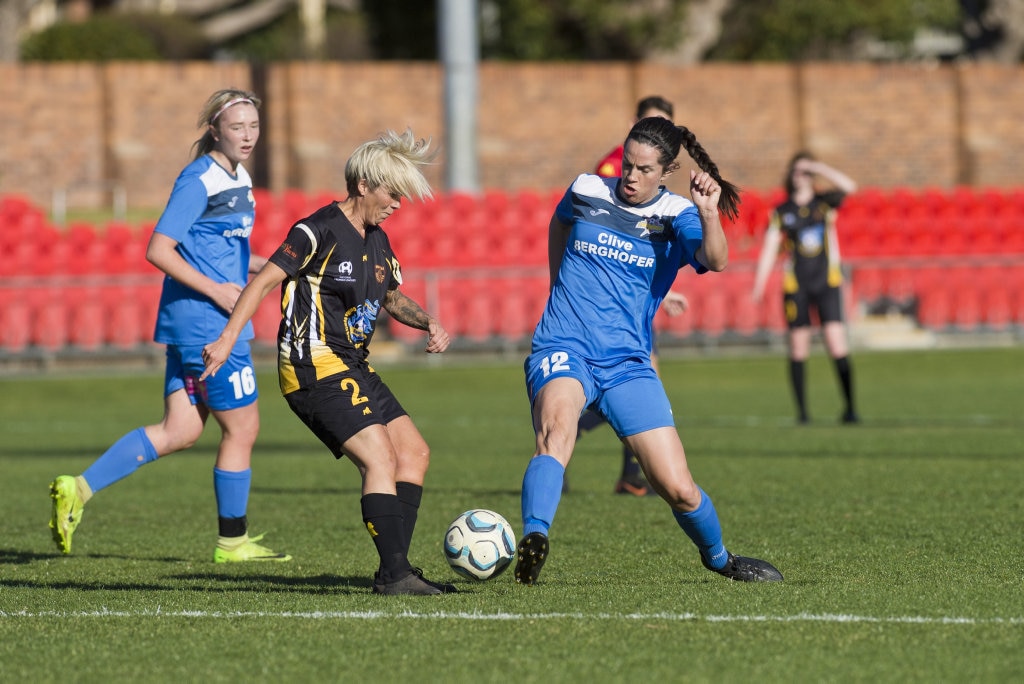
(214, 356)
(225, 295)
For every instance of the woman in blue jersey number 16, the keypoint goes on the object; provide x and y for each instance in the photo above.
(614, 248)
(339, 273)
(201, 243)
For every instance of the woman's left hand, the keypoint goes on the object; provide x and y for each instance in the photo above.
(705, 191)
(437, 338)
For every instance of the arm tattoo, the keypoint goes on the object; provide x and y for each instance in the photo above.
(405, 310)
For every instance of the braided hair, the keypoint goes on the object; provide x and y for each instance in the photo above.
(668, 138)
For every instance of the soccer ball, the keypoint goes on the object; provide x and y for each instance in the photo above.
(479, 544)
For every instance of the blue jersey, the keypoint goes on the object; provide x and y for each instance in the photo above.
(210, 215)
(619, 263)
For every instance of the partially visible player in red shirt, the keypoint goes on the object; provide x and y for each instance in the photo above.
(652, 105)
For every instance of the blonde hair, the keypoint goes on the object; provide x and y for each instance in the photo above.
(211, 111)
(392, 161)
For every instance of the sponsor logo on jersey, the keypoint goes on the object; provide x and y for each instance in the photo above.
(610, 246)
(238, 232)
(345, 271)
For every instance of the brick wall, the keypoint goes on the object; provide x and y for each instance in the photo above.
(83, 128)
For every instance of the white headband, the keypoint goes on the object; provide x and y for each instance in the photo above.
(231, 103)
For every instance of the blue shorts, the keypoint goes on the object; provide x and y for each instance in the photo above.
(629, 395)
(234, 385)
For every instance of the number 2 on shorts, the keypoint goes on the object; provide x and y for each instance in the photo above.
(357, 398)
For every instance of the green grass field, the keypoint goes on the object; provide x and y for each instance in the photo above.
(900, 539)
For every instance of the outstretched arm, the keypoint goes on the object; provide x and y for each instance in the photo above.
(218, 351)
(833, 175)
(769, 251)
(405, 310)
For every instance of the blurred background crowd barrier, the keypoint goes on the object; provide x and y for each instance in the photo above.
(935, 261)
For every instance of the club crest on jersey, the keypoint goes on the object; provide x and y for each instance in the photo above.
(359, 322)
(378, 273)
(651, 225)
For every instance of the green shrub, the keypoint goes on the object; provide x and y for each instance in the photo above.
(106, 37)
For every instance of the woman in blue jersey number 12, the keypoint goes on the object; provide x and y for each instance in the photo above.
(201, 243)
(614, 248)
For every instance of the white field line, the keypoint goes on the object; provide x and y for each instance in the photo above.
(513, 617)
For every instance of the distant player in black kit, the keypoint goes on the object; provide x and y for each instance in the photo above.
(804, 227)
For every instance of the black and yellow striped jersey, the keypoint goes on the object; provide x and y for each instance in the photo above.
(812, 261)
(335, 289)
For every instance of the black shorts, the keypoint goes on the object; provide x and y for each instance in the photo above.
(827, 301)
(338, 407)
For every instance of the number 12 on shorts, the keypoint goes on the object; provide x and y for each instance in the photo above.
(555, 363)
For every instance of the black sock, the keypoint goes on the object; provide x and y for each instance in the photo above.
(409, 495)
(845, 373)
(382, 514)
(630, 466)
(232, 527)
(796, 379)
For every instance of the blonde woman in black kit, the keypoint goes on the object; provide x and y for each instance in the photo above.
(340, 274)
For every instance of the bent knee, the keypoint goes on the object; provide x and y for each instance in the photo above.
(169, 441)
(681, 496)
(413, 462)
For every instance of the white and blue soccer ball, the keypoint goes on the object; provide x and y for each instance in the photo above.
(479, 544)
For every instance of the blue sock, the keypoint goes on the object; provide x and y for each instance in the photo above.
(232, 490)
(542, 488)
(703, 528)
(120, 460)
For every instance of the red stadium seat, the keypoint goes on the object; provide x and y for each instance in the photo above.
(123, 326)
(50, 320)
(675, 326)
(87, 317)
(295, 203)
(123, 251)
(998, 307)
(1015, 285)
(264, 200)
(15, 319)
(744, 316)
(478, 311)
(868, 283)
(451, 305)
(935, 308)
(516, 316)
